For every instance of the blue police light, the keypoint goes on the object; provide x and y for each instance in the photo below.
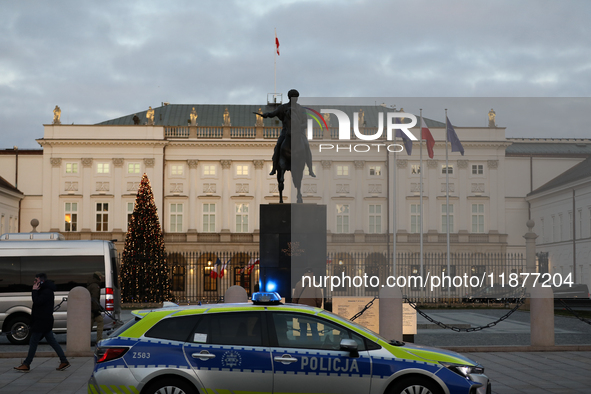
(267, 297)
(271, 286)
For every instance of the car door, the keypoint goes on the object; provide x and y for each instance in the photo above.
(227, 352)
(307, 357)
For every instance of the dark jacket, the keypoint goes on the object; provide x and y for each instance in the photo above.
(94, 288)
(42, 313)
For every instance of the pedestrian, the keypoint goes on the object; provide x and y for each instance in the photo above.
(42, 322)
(307, 294)
(94, 288)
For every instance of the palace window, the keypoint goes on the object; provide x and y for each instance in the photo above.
(375, 170)
(209, 170)
(342, 218)
(71, 216)
(478, 218)
(71, 168)
(102, 216)
(444, 212)
(241, 218)
(102, 168)
(176, 218)
(133, 168)
(415, 218)
(342, 170)
(242, 170)
(176, 170)
(208, 218)
(375, 219)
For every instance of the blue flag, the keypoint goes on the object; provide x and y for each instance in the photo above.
(456, 145)
(405, 138)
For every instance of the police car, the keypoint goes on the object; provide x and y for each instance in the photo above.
(269, 347)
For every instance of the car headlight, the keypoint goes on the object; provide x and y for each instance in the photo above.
(464, 370)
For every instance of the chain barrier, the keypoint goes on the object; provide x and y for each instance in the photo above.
(58, 306)
(572, 311)
(471, 329)
(366, 307)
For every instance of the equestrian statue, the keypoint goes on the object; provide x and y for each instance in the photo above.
(292, 142)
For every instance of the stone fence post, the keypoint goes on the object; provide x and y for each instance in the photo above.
(78, 337)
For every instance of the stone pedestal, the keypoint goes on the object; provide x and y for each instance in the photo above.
(391, 313)
(78, 323)
(292, 238)
(542, 316)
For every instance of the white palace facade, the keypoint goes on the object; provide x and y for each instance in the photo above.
(210, 174)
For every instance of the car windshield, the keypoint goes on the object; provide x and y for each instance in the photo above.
(358, 326)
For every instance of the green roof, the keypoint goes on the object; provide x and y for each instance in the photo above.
(241, 115)
(581, 148)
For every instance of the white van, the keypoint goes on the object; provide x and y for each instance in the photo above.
(67, 263)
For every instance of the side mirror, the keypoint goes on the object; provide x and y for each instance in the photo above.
(350, 346)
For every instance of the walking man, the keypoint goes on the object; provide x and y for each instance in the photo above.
(42, 322)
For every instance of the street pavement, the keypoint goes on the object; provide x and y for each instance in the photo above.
(511, 369)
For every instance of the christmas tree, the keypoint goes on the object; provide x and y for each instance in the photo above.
(144, 272)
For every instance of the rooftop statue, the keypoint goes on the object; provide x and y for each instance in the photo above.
(150, 116)
(227, 121)
(193, 116)
(57, 113)
(491, 118)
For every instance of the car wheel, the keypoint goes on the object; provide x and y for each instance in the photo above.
(18, 330)
(415, 385)
(170, 386)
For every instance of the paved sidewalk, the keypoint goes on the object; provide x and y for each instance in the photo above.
(510, 372)
(43, 378)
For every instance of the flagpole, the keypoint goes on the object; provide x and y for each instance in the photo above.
(447, 199)
(275, 61)
(421, 190)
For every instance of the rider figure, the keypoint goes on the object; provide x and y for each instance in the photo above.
(283, 112)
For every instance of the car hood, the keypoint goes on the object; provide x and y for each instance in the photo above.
(430, 354)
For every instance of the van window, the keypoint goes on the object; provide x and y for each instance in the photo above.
(10, 276)
(66, 271)
(114, 270)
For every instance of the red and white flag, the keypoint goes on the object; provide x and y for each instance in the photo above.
(276, 43)
(426, 135)
(216, 269)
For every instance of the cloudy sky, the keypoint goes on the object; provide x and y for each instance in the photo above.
(101, 60)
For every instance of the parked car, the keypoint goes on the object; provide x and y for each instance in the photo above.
(494, 294)
(571, 295)
(266, 346)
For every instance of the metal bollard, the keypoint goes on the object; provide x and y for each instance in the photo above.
(390, 311)
(78, 337)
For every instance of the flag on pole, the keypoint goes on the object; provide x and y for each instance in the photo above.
(216, 269)
(221, 274)
(456, 145)
(428, 137)
(405, 138)
(276, 43)
(251, 264)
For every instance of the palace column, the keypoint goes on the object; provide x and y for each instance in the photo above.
(192, 231)
(226, 207)
(55, 210)
(118, 215)
(87, 208)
